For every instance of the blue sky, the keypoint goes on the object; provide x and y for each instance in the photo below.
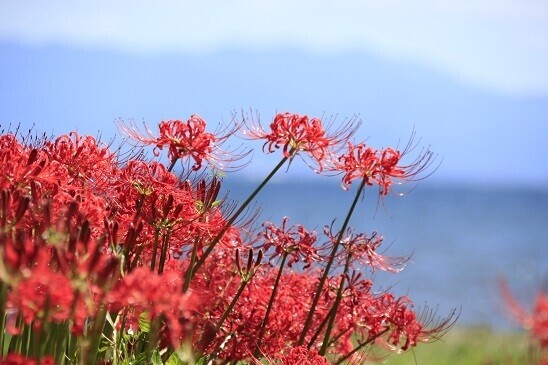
(481, 61)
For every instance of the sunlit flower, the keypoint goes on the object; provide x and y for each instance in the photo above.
(42, 292)
(187, 140)
(381, 167)
(364, 249)
(143, 292)
(298, 134)
(302, 356)
(295, 241)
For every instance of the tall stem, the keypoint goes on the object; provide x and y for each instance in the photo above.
(193, 255)
(163, 254)
(269, 307)
(333, 312)
(155, 249)
(91, 350)
(3, 295)
(320, 328)
(231, 305)
(360, 346)
(229, 223)
(172, 165)
(325, 273)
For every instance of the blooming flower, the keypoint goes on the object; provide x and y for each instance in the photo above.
(364, 250)
(187, 139)
(361, 162)
(302, 356)
(535, 320)
(87, 239)
(296, 133)
(143, 292)
(294, 241)
(42, 292)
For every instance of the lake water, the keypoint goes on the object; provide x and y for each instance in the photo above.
(461, 239)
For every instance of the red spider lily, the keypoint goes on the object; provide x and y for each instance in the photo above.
(298, 133)
(285, 324)
(143, 292)
(83, 158)
(302, 356)
(364, 250)
(187, 139)
(362, 162)
(90, 243)
(295, 241)
(535, 320)
(42, 292)
(22, 165)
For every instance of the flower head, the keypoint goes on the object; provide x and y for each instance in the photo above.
(294, 241)
(361, 162)
(187, 140)
(296, 133)
(364, 250)
(143, 292)
(302, 356)
(535, 320)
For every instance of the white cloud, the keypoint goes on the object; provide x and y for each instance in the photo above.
(495, 44)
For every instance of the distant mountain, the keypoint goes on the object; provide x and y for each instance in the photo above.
(483, 137)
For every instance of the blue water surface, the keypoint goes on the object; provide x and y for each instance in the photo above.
(462, 239)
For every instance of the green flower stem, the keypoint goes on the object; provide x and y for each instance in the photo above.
(232, 219)
(269, 307)
(320, 328)
(193, 256)
(153, 335)
(325, 273)
(163, 255)
(325, 343)
(26, 340)
(16, 342)
(70, 353)
(39, 339)
(219, 324)
(232, 304)
(3, 295)
(360, 346)
(172, 165)
(90, 351)
(155, 248)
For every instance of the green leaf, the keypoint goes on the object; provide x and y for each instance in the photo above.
(174, 359)
(156, 359)
(144, 322)
(201, 361)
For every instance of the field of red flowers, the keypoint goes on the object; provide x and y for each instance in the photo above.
(110, 257)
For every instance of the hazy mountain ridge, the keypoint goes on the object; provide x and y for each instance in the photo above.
(479, 134)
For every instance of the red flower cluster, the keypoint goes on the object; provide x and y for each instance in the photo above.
(302, 356)
(143, 293)
(95, 250)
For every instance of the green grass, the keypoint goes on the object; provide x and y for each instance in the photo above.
(471, 346)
